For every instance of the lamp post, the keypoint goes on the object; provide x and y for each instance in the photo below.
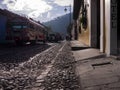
(70, 11)
(69, 26)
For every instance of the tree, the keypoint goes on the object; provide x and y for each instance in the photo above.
(49, 29)
(69, 29)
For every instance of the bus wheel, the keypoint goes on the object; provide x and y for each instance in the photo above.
(19, 43)
(44, 41)
(33, 42)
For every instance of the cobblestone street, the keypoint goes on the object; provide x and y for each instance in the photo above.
(50, 69)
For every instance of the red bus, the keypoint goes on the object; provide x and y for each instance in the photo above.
(22, 30)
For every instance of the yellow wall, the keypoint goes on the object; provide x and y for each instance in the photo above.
(85, 33)
(84, 36)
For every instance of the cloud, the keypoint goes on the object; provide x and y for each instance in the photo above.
(42, 10)
(63, 2)
(34, 14)
(1, 7)
(9, 3)
(48, 15)
(35, 6)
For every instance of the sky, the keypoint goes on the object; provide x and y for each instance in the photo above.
(40, 10)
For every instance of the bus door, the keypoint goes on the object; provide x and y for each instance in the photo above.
(3, 21)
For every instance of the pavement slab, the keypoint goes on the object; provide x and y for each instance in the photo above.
(114, 85)
(77, 45)
(82, 51)
(98, 81)
(101, 77)
(87, 54)
(83, 69)
(95, 70)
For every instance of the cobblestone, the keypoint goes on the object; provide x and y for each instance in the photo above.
(52, 69)
(24, 75)
(62, 75)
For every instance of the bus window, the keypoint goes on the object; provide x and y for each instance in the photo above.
(31, 26)
(17, 27)
(24, 26)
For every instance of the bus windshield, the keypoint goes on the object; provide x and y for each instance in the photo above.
(17, 27)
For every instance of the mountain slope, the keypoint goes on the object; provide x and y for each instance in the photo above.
(59, 24)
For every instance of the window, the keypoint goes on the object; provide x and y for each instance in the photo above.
(31, 26)
(24, 26)
(17, 27)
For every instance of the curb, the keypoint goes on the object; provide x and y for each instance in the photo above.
(95, 57)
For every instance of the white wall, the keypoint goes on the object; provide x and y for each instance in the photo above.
(89, 18)
(102, 26)
(107, 23)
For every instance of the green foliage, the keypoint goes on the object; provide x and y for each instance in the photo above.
(69, 28)
(49, 28)
(83, 21)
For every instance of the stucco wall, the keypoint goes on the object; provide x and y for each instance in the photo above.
(84, 36)
(107, 25)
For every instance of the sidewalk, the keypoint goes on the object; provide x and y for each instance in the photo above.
(96, 72)
(82, 51)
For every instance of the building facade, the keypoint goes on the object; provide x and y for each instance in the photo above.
(96, 25)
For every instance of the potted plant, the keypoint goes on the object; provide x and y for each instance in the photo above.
(83, 21)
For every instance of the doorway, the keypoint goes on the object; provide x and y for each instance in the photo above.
(98, 23)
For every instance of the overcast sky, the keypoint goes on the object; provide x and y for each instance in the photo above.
(42, 10)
